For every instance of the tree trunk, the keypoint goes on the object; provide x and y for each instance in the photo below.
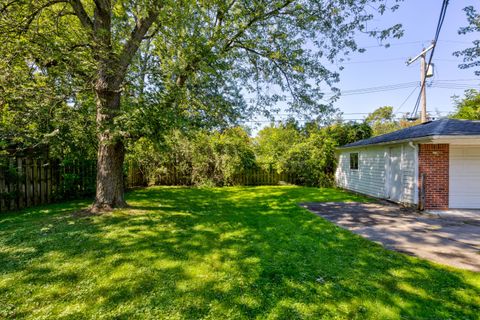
(112, 69)
(111, 151)
(109, 192)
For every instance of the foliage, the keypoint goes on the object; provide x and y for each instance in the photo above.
(153, 66)
(221, 253)
(77, 179)
(200, 158)
(189, 69)
(306, 153)
(471, 56)
(42, 94)
(382, 121)
(232, 153)
(10, 176)
(313, 160)
(467, 107)
(273, 143)
(347, 132)
(216, 158)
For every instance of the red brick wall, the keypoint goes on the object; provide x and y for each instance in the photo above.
(433, 160)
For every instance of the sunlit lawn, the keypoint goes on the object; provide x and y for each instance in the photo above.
(225, 253)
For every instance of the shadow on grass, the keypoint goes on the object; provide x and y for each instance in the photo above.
(217, 253)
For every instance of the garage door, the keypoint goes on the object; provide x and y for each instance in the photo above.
(464, 177)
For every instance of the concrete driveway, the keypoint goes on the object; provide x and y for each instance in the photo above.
(451, 240)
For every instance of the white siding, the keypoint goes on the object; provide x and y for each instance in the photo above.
(372, 176)
(408, 171)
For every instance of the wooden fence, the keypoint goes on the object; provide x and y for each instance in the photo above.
(170, 176)
(25, 182)
(261, 177)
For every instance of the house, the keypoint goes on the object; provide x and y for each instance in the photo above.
(435, 165)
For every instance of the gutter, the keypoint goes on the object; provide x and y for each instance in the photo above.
(425, 138)
(388, 142)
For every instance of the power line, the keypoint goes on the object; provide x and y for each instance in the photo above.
(411, 42)
(347, 62)
(359, 113)
(394, 44)
(379, 88)
(374, 61)
(393, 87)
(452, 80)
(406, 99)
(308, 120)
(441, 18)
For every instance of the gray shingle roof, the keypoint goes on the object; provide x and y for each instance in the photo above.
(442, 127)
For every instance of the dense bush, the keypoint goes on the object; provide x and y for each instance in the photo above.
(468, 106)
(203, 158)
(216, 158)
(307, 153)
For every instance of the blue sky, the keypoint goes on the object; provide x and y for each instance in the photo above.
(380, 66)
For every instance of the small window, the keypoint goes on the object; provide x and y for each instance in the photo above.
(354, 161)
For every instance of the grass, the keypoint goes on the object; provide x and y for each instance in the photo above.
(220, 253)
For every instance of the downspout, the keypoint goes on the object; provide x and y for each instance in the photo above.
(415, 157)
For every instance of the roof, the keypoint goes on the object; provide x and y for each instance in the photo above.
(442, 127)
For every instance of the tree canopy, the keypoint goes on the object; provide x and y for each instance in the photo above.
(218, 157)
(467, 107)
(471, 55)
(139, 68)
(382, 120)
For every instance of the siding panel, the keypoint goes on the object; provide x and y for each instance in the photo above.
(371, 176)
(408, 171)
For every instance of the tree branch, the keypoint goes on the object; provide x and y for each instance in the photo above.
(252, 21)
(6, 5)
(36, 12)
(82, 14)
(103, 5)
(277, 65)
(133, 43)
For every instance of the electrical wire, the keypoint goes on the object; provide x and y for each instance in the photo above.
(397, 86)
(441, 18)
(410, 43)
(308, 120)
(445, 84)
(379, 88)
(374, 60)
(406, 99)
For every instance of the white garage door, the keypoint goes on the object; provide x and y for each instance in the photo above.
(464, 177)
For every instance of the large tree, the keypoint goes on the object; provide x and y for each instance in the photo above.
(471, 55)
(382, 120)
(467, 107)
(197, 58)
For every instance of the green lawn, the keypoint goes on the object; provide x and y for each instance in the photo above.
(223, 253)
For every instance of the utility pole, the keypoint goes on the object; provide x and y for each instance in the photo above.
(423, 79)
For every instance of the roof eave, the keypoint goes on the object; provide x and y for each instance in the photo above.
(425, 138)
(385, 143)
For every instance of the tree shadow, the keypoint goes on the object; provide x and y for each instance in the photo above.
(218, 253)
